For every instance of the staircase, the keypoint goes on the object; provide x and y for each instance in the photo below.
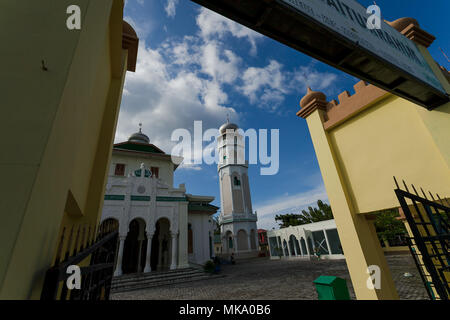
(137, 281)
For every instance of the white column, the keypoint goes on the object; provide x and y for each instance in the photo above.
(326, 240)
(174, 251)
(148, 257)
(295, 248)
(257, 240)
(289, 248)
(118, 271)
(235, 244)
(249, 243)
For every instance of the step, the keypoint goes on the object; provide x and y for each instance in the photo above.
(156, 279)
(156, 275)
(146, 285)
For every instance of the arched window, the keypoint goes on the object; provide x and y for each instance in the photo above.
(237, 182)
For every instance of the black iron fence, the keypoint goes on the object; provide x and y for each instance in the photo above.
(93, 252)
(428, 220)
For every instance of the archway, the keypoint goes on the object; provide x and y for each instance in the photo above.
(253, 239)
(135, 247)
(161, 256)
(292, 241)
(242, 240)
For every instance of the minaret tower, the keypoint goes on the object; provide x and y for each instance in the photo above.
(237, 220)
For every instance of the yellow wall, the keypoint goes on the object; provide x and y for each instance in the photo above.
(58, 131)
(390, 139)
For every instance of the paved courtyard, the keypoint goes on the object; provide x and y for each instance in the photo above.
(262, 278)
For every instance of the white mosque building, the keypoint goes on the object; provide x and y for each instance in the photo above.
(160, 227)
(237, 221)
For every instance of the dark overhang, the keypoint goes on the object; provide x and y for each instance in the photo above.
(300, 32)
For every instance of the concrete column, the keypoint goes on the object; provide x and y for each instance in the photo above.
(173, 264)
(295, 249)
(236, 250)
(357, 234)
(249, 243)
(118, 271)
(289, 248)
(257, 240)
(148, 257)
(326, 240)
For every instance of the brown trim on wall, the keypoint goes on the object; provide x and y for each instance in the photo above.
(365, 95)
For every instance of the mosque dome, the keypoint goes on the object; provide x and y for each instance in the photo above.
(310, 96)
(139, 137)
(227, 126)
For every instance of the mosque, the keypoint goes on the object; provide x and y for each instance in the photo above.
(161, 227)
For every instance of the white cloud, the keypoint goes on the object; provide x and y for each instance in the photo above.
(287, 204)
(267, 86)
(212, 24)
(171, 8)
(165, 97)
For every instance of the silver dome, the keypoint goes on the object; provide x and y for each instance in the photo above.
(228, 126)
(139, 137)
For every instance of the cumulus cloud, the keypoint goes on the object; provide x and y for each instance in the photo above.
(267, 86)
(171, 8)
(212, 24)
(192, 78)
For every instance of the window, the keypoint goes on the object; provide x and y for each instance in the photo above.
(119, 170)
(155, 172)
(237, 182)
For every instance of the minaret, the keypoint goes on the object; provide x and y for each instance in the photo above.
(237, 220)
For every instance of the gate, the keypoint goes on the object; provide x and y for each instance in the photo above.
(428, 221)
(95, 256)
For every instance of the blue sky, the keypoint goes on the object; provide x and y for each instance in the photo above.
(196, 65)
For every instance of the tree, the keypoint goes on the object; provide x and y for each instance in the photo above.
(216, 224)
(288, 219)
(387, 224)
(323, 212)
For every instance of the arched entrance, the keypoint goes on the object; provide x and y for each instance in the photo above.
(160, 258)
(135, 247)
(242, 240)
(229, 242)
(292, 245)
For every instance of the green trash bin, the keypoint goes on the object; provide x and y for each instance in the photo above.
(331, 288)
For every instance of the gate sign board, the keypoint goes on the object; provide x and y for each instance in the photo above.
(336, 32)
(349, 19)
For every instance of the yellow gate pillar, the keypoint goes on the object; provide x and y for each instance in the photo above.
(357, 234)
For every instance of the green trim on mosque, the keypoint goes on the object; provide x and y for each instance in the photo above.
(171, 199)
(206, 208)
(239, 220)
(114, 197)
(139, 147)
(140, 198)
